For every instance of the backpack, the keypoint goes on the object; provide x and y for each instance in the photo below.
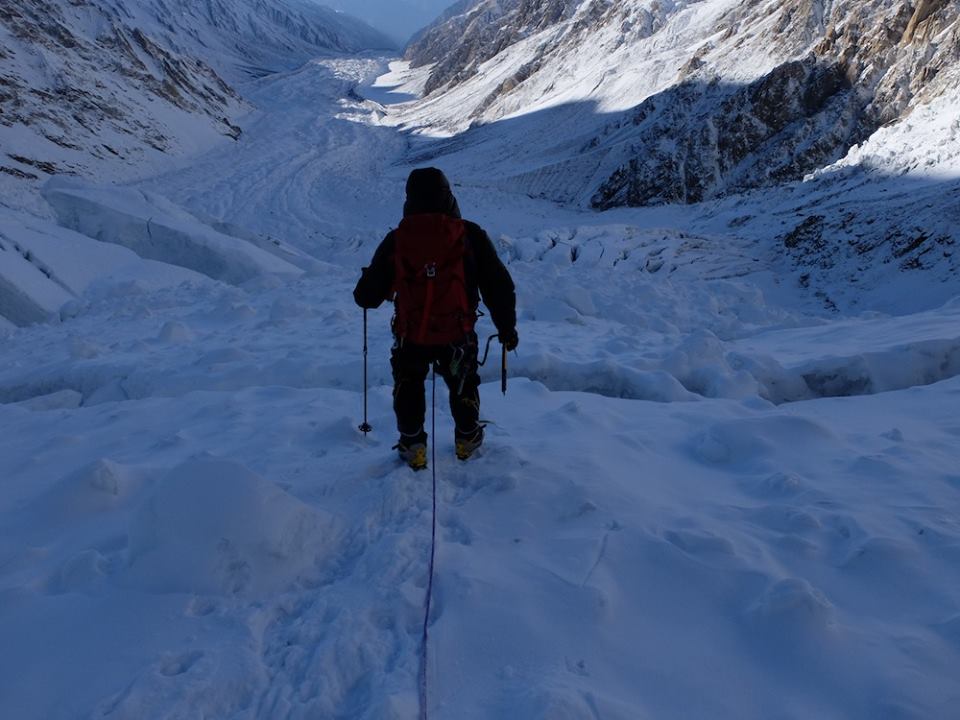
(430, 283)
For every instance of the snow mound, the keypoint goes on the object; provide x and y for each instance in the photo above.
(27, 295)
(599, 377)
(156, 229)
(94, 490)
(751, 443)
(59, 400)
(214, 527)
(848, 358)
(701, 364)
(793, 604)
(43, 268)
(79, 572)
(175, 333)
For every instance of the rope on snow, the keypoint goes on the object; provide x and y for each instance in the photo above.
(425, 636)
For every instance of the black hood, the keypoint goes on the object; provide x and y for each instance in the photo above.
(428, 191)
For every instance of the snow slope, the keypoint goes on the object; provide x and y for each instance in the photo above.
(703, 495)
(118, 88)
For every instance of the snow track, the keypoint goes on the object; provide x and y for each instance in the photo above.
(669, 518)
(306, 171)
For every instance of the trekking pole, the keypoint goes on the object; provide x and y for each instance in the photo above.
(365, 426)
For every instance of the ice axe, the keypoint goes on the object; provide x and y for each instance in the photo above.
(503, 362)
(503, 370)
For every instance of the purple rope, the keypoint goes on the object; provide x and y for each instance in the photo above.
(425, 638)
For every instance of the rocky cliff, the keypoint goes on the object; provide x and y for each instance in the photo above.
(81, 81)
(871, 62)
(689, 100)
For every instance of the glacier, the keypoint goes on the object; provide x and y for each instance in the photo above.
(723, 481)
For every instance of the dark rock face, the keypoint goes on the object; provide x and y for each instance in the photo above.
(807, 235)
(696, 142)
(851, 66)
(867, 67)
(92, 88)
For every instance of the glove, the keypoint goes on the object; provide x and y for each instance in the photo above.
(509, 339)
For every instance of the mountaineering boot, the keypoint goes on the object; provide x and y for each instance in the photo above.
(467, 443)
(413, 450)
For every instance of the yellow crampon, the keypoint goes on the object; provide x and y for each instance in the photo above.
(467, 446)
(464, 450)
(415, 456)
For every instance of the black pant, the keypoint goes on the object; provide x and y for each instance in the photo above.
(457, 364)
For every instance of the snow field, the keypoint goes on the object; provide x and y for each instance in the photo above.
(315, 175)
(672, 517)
(204, 542)
(193, 451)
(666, 316)
(304, 576)
(768, 563)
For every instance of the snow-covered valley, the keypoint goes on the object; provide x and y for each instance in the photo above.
(724, 481)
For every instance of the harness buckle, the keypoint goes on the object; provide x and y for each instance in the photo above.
(430, 270)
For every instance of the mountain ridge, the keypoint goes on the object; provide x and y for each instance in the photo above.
(878, 60)
(102, 84)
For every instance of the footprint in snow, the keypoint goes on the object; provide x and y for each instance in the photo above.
(179, 664)
(792, 604)
(455, 531)
(494, 469)
(577, 510)
(79, 572)
(783, 519)
(200, 607)
(777, 485)
(699, 542)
